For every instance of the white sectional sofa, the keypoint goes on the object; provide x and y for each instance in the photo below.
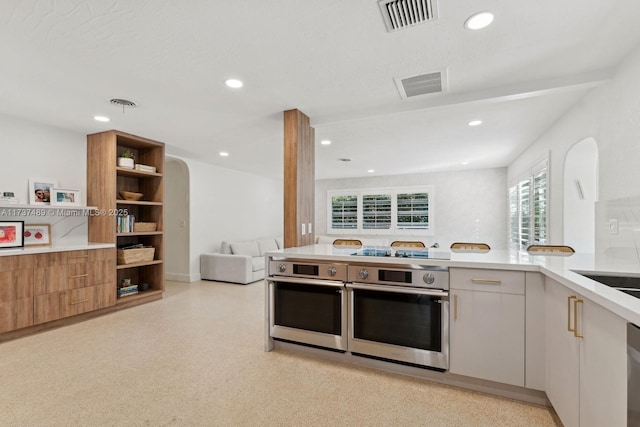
(239, 262)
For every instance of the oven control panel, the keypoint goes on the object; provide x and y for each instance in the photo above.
(418, 277)
(306, 269)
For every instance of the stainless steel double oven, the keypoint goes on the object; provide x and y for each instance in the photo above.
(388, 312)
(400, 314)
(307, 303)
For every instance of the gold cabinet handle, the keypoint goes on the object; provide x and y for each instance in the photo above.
(575, 318)
(569, 298)
(455, 307)
(80, 301)
(487, 281)
(78, 276)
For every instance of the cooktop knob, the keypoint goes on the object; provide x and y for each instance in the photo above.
(429, 278)
(282, 268)
(332, 271)
(364, 274)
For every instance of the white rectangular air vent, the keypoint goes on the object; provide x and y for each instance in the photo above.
(398, 14)
(420, 84)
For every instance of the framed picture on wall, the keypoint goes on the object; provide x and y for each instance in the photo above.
(40, 190)
(65, 197)
(37, 235)
(11, 234)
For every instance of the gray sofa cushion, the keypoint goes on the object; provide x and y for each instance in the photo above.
(249, 248)
(266, 245)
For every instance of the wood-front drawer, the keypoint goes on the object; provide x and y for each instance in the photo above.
(58, 278)
(477, 279)
(67, 303)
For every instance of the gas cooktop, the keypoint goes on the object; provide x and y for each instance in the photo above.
(388, 252)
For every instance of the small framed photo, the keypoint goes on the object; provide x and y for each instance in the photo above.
(11, 234)
(37, 235)
(65, 197)
(40, 190)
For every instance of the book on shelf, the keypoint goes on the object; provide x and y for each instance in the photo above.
(127, 290)
(124, 223)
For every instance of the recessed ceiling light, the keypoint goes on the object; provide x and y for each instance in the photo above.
(464, 163)
(325, 142)
(371, 170)
(475, 122)
(233, 83)
(101, 118)
(479, 20)
(224, 154)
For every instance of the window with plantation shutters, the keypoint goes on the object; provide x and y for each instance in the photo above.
(528, 209)
(539, 208)
(344, 212)
(524, 193)
(413, 211)
(514, 228)
(380, 211)
(376, 211)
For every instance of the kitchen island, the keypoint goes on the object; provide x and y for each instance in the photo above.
(528, 327)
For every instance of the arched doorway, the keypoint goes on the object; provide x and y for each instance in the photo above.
(176, 220)
(580, 195)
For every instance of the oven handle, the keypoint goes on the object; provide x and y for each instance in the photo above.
(400, 290)
(300, 281)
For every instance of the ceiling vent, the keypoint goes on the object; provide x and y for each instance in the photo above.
(420, 84)
(398, 14)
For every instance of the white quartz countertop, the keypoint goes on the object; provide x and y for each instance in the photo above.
(48, 249)
(560, 268)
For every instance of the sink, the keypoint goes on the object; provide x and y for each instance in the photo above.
(627, 284)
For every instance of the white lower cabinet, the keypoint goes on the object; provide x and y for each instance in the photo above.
(487, 330)
(586, 362)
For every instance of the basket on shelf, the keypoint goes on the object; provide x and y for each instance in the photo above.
(135, 255)
(130, 195)
(144, 226)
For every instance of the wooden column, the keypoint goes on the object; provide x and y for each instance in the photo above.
(299, 179)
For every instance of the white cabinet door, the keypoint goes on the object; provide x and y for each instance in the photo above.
(586, 369)
(563, 370)
(603, 367)
(487, 336)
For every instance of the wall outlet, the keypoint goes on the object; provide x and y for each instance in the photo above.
(309, 228)
(613, 226)
(304, 229)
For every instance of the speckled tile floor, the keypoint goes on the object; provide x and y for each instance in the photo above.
(196, 358)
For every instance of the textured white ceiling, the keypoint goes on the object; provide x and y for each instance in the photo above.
(62, 61)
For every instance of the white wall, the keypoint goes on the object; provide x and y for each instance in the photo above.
(468, 206)
(611, 115)
(33, 150)
(230, 205)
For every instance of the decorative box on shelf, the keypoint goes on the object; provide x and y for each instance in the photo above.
(134, 254)
(145, 168)
(144, 226)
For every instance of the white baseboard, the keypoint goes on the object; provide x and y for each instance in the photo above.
(187, 278)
